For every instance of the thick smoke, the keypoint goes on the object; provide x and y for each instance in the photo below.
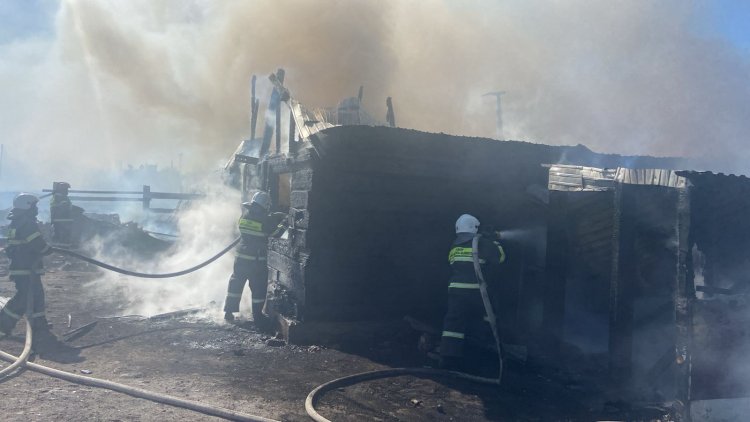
(144, 80)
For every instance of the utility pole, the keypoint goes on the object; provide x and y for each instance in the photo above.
(2, 147)
(498, 112)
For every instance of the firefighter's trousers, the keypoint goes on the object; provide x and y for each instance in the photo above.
(16, 306)
(255, 272)
(465, 315)
(63, 232)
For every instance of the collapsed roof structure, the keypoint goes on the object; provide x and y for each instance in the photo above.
(624, 268)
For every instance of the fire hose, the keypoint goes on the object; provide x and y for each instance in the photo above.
(137, 392)
(21, 360)
(146, 275)
(314, 395)
(487, 304)
(312, 398)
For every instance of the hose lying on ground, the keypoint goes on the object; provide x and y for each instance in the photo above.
(310, 401)
(144, 275)
(139, 393)
(29, 337)
(315, 394)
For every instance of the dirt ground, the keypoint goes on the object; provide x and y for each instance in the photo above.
(239, 368)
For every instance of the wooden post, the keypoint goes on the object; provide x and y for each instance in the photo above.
(280, 77)
(254, 103)
(389, 116)
(273, 104)
(292, 129)
(146, 197)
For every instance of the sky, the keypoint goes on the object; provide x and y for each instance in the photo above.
(105, 83)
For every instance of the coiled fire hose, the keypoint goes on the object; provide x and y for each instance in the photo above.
(145, 275)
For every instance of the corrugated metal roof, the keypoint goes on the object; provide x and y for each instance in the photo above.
(310, 121)
(652, 177)
(349, 112)
(581, 178)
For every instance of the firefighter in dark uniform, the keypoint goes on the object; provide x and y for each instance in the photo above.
(26, 246)
(465, 306)
(61, 214)
(256, 226)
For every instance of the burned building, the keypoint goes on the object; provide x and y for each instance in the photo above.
(372, 209)
(646, 270)
(618, 270)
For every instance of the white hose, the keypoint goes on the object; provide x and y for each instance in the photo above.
(121, 388)
(487, 304)
(29, 338)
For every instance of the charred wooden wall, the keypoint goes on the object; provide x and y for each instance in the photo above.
(374, 211)
(721, 264)
(613, 265)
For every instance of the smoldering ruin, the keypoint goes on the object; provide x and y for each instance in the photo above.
(616, 275)
(623, 281)
(622, 295)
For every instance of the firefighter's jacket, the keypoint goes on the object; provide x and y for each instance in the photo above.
(26, 246)
(462, 263)
(255, 228)
(61, 209)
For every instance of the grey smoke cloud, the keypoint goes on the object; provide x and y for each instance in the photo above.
(140, 81)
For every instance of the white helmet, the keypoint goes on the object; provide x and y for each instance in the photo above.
(263, 199)
(25, 201)
(467, 224)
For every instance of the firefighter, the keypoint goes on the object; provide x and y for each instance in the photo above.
(256, 226)
(61, 214)
(26, 246)
(465, 306)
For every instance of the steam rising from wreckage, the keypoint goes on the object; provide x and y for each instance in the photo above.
(630, 273)
(630, 280)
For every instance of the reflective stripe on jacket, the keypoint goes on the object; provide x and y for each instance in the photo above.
(461, 260)
(26, 246)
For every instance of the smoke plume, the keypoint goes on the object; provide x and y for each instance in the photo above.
(143, 80)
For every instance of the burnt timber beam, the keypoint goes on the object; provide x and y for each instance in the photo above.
(254, 104)
(277, 111)
(390, 117)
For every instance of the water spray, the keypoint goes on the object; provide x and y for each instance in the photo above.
(520, 235)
